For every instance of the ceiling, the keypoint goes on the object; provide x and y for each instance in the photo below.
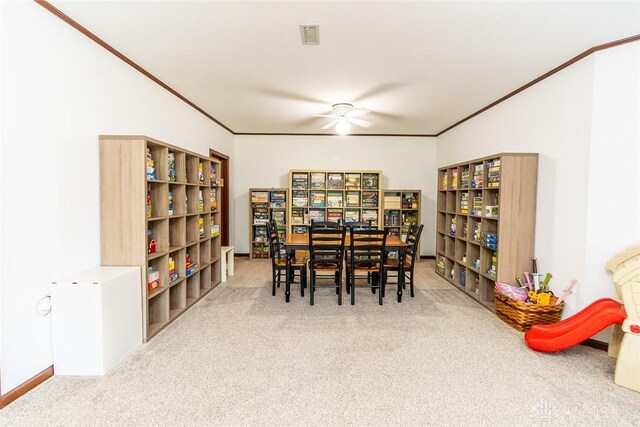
(419, 66)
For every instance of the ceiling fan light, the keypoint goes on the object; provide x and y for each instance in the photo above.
(343, 127)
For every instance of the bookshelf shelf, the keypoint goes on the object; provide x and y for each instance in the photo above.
(173, 313)
(332, 195)
(156, 255)
(486, 222)
(162, 195)
(266, 204)
(175, 282)
(157, 292)
(154, 328)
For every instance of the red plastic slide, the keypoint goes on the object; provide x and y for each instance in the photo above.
(577, 328)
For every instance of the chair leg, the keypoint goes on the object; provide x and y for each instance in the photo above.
(381, 280)
(273, 283)
(347, 282)
(339, 289)
(303, 279)
(353, 289)
(312, 286)
(411, 283)
(287, 277)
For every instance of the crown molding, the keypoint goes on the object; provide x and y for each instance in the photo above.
(57, 12)
(549, 73)
(408, 135)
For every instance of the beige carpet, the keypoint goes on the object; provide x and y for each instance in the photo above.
(243, 357)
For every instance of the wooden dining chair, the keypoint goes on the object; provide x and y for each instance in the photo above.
(365, 260)
(279, 261)
(326, 258)
(358, 225)
(411, 255)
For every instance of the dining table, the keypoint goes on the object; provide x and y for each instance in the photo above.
(300, 242)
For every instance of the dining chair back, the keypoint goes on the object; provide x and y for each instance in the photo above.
(275, 246)
(413, 238)
(279, 262)
(367, 249)
(411, 255)
(358, 225)
(326, 257)
(325, 224)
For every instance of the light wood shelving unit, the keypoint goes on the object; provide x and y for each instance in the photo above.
(183, 220)
(329, 195)
(485, 231)
(401, 208)
(266, 204)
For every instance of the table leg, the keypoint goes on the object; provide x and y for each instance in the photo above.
(401, 255)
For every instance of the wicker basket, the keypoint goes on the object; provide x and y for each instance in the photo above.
(521, 316)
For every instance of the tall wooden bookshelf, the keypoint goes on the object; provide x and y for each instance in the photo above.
(160, 211)
(401, 208)
(266, 204)
(486, 212)
(331, 195)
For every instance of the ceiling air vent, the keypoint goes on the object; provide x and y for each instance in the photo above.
(310, 34)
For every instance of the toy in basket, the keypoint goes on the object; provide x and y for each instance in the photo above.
(511, 291)
(511, 308)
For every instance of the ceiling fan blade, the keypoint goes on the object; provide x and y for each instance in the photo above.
(358, 112)
(323, 115)
(331, 123)
(359, 122)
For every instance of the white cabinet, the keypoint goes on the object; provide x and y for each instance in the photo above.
(96, 318)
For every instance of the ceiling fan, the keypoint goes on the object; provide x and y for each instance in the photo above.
(343, 115)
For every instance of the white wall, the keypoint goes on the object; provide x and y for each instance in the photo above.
(584, 123)
(613, 212)
(264, 161)
(59, 92)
